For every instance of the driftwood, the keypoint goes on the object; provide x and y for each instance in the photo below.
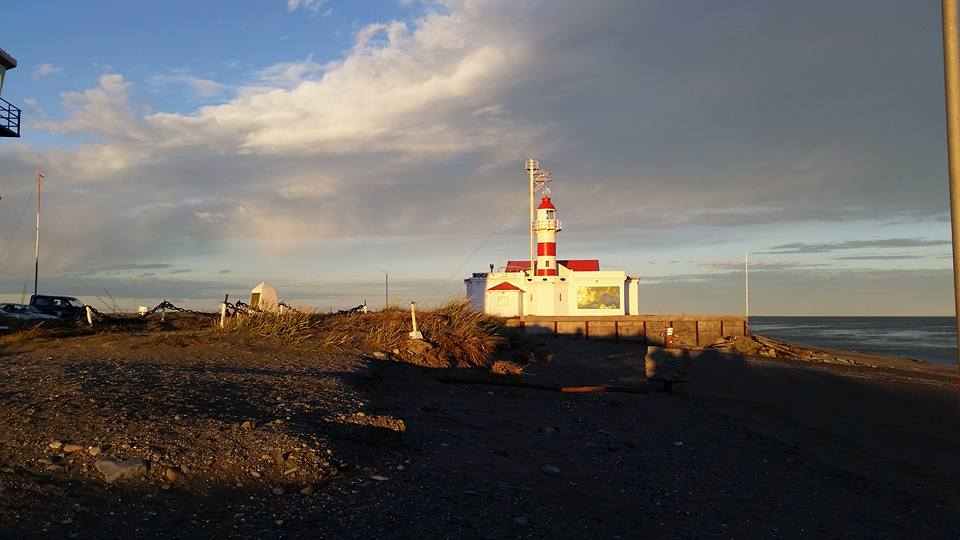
(516, 382)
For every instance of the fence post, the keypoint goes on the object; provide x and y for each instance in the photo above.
(413, 317)
(89, 316)
(223, 311)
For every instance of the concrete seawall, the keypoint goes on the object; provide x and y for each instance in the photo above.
(688, 330)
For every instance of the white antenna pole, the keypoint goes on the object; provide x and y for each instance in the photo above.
(532, 167)
(746, 285)
(36, 261)
(532, 171)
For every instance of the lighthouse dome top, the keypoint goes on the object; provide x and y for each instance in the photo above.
(546, 203)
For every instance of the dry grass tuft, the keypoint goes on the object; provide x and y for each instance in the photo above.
(460, 336)
(22, 337)
(503, 367)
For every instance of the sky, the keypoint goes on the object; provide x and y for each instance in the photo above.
(193, 149)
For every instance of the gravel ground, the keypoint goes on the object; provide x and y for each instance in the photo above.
(257, 441)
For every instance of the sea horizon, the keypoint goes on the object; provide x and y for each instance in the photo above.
(929, 339)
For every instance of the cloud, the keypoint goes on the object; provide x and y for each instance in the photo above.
(760, 265)
(44, 70)
(406, 149)
(31, 102)
(314, 7)
(197, 86)
(826, 247)
(878, 257)
(104, 111)
(286, 75)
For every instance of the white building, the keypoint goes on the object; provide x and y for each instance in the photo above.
(554, 287)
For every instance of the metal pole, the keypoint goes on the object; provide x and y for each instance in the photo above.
(951, 76)
(386, 290)
(36, 260)
(746, 286)
(531, 170)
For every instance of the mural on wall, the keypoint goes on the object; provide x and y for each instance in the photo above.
(598, 298)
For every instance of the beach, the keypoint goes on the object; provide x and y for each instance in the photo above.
(269, 441)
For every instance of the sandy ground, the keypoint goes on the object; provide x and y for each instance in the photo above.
(750, 447)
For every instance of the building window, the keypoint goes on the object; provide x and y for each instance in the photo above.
(503, 301)
(547, 263)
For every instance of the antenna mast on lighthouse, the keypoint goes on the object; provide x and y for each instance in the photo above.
(538, 179)
(36, 263)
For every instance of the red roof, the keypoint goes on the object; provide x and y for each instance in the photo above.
(546, 203)
(517, 266)
(582, 265)
(505, 287)
(576, 265)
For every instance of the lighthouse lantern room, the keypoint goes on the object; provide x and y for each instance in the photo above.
(545, 285)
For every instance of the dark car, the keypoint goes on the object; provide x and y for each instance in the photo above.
(23, 312)
(65, 307)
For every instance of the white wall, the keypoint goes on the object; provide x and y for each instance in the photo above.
(505, 303)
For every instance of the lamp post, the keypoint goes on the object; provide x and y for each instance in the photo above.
(951, 77)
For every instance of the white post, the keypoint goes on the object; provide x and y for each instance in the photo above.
(746, 286)
(413, 317)
(223, 314)
(89, 316)
(280, 309)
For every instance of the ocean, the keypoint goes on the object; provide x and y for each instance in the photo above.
(930, 339)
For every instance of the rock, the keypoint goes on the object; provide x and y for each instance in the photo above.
(247, 425)
(121, 470)
(56, 445)
(255, 474)
(552, 470)
(290, 471)
(175, 476)
(307, 491)
(380, 356)
(521, 521)
(69, 448)
(395, 351)
(418, 347)
(95, 450)
(55, 468)
(379, 478)
(279, 490)
(49, 460)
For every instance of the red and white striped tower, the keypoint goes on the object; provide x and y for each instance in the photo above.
(546, 225)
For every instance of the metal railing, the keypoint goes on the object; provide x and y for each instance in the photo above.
(546, 224)
(9, 119)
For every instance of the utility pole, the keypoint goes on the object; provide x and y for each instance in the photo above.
(36, 260)
(386, 289)
(951, 77)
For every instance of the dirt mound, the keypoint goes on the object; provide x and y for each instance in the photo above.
(754, 345)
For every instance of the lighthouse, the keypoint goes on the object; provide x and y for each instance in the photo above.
(546, 226)
(545, 286)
